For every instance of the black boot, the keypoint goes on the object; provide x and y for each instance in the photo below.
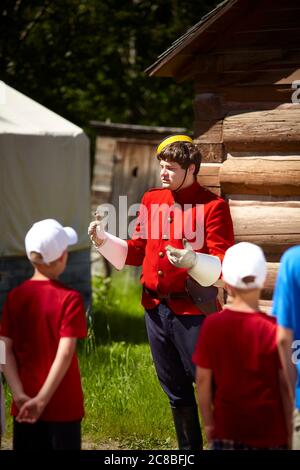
(187, 428)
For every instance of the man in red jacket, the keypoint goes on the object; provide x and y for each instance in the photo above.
(181, 210)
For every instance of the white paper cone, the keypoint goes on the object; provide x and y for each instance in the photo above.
(207, 269)
(114, 250)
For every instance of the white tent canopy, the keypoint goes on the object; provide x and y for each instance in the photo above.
(44, 171)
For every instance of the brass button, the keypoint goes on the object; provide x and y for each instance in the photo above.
(161, 254)
(170, 219)
(160, 273)
(165, 237)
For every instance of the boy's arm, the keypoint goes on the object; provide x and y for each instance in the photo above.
(32, 409)
(285, 338)
(288, 404)
(10, 370)
(205, 398)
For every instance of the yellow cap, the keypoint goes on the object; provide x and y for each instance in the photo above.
(171, 140)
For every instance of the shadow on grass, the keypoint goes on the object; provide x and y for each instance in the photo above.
(116, 326)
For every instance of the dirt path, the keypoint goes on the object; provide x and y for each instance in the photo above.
(86, 445)
(6, 444)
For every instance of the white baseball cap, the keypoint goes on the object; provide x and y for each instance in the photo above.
(49, 238)
(244, 266)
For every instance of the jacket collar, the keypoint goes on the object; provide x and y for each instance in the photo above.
(186, 195)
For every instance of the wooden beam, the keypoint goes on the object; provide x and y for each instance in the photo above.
(258, 93)
(268, 290)
(271, 275)
(209, 174)
(261, 175)
(236, 107)
(266, 306)
(237, 60)
(213, 153)
(275, 226)
(234, 59)
(208, 107)
(263, 29)
(209, 132)
(253, 77)
(284, 38)
(263, 130)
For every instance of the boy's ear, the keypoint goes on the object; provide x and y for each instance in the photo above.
(192, 168)
(63, 255)
(230, 290)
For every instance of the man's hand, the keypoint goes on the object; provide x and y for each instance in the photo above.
(185, 258)
(96, 232)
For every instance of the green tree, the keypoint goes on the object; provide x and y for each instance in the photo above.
(85, 59)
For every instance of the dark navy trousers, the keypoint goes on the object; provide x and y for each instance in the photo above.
(172, 341)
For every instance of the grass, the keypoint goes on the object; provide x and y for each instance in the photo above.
(124, 403)
(123, 399)
(117, 311)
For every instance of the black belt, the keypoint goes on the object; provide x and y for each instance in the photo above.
(171, 296)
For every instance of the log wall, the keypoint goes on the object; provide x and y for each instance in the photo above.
(272, 176)
(209, 178)
(276, 129)
(250, 147)
(274, 226)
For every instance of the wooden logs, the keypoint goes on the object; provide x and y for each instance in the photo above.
(266, 306)
(211, 152)
(273, 176)
(208, 131)
(272, 275)
(256, 93)
(209, 114)
(268, 289)
(209, 175)
(275, 226)
(272, 269)
(208, 106)
(277, 129)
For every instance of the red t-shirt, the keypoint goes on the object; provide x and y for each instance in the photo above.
(240, 349)
(36, 315)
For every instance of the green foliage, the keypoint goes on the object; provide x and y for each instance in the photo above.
(85, 59)
(117, 312)
(123, 399)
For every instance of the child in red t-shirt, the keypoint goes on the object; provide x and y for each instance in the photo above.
(242, 392)
(41, 322)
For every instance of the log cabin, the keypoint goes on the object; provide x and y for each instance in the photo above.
(244, 60)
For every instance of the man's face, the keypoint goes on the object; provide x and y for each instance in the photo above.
(171, 174)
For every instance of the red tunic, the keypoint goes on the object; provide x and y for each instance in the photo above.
(240, 349)
(36, 315)
(158, 274)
